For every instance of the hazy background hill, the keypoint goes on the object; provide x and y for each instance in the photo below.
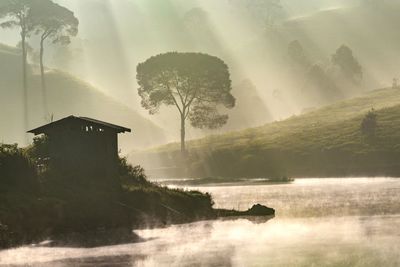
(67, 95)
(106, 51)
(370, 31)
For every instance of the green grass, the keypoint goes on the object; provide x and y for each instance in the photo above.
(324, 142)
(304, 126)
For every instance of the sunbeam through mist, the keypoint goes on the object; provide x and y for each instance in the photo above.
(199, 132)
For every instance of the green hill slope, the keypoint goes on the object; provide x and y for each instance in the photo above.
(324, 142)
(66, 96)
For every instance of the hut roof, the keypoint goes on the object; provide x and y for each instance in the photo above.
(72, 119)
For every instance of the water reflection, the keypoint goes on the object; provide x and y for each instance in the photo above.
(349, 223)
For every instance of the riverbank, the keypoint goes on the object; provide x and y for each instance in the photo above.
(91, 218)
(76, 208)
(41, 203)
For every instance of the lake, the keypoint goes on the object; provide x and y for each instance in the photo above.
(319, 222)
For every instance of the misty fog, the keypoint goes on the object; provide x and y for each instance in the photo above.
(199, 133)
(114, 36)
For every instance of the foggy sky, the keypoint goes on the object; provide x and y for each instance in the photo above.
(114, 36)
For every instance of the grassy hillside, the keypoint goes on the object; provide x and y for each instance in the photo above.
(324, 142)
(66, 96)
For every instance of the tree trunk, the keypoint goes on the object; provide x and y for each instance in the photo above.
(43, 79)
(183, 133)
(24, 79)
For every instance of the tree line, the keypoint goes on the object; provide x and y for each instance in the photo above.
(342, 71)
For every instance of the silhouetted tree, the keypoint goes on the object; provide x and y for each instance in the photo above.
(196, 84)
(395, 84)
(201, 29)
(195, 18)
(56, 23)
(17, 14)
(318, 83)
(250, 109)
(369, 123)
(30, 52)
(297, 54)
(266, 11)
(348, 64)
(372, 3)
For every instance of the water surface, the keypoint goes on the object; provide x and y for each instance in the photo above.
(319, 222)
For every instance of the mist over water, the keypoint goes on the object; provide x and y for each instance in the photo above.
(316, 197)
(319, 222)
(308, 67)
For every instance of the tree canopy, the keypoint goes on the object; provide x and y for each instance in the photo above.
(321, 86)
(198, 85)
(17, 13)
(265, 11)
(54, 21)
(348, 64)
(297, 54)
(39, 15)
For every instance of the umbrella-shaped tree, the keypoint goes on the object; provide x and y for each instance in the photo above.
(198, 85)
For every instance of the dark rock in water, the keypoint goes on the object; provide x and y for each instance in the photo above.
(256, 210)
(260, 210)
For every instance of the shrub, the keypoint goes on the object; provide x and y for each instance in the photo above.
(369, 123)
(131, 175)
(16, 170)
(38, 152)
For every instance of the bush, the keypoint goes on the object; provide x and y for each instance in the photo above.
(38, 152)
(153, 205)
(131, 175)
(369, 123)
(16, 170)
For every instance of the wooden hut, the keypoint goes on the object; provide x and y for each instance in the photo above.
(84, 145)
